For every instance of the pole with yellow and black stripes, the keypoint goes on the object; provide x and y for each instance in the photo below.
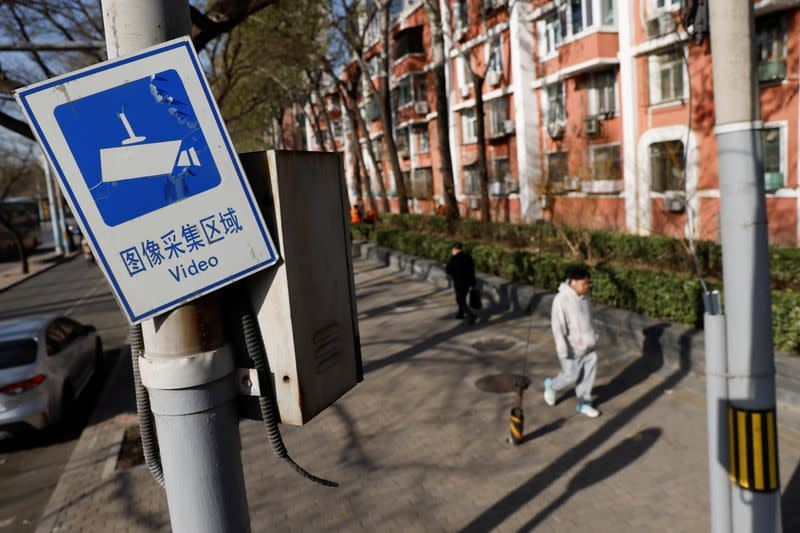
(742, 219)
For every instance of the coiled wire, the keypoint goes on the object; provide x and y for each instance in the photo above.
(266, 401)
(152, 456)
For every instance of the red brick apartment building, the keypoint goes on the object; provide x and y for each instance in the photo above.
(599, 113)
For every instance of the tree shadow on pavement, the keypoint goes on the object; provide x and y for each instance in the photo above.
(517, 498)
(599, 469)
(790, 503)
(649, 362)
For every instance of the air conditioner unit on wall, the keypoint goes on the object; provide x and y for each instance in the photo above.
(675, 201)
(508, 126)
(421, 108)
(592, 127)
(464, 90)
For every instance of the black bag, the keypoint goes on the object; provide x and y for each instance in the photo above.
(475, 298)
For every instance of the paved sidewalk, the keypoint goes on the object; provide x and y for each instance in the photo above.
(416, 447)
(11, 273)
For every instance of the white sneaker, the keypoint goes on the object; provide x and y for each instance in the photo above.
(588, 410)
(549, 393)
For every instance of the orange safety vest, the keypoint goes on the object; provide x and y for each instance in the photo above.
(355, 218)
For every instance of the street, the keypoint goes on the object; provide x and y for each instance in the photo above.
(31, 466)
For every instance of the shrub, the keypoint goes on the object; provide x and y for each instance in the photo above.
(656, 293)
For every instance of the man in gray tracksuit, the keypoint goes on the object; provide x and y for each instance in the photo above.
(575, 341)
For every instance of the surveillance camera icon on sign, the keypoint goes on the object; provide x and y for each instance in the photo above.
(139, 146)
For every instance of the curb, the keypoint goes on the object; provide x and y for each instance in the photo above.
(682, 346)
(64, 259)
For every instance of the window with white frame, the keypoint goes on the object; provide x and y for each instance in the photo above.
(772, 148)
(469, 131)
(374, 65)
(667, 77)
(401, 139)
(601, 93)
(665, 5)
(556, 105)
(464, 73)
(462, 16)
(771, 47)
(336, 126)
(497, 116)
(501, 173)
(405, 91)
(556, 167)
(606, 162)
(377, 149)
(667, 166)
(608, 12)
(550, 34)
(495, 59)
(422, 184)
(472, 182)
(423, 139)
(420, 88)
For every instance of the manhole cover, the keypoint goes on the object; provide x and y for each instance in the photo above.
(494, 344)
(501, 383)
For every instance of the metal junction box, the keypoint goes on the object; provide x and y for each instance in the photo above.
(306, 305)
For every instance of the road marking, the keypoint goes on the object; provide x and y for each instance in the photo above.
(85, 296)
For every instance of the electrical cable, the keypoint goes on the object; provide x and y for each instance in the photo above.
(690, 233)
(266, 402)
(152, 456)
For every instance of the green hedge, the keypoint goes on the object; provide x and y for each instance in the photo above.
(670, 296)
(606, 246)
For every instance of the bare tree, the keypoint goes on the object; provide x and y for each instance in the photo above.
(17, 172)
(351, 26)
(434, 13)
(81, 21)
(477, 78)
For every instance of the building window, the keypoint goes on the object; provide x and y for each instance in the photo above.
(472, 182)
(423, 140)
(556, 167)
(402, 139)
(373, 113)
(495, 60)
(608, 11)
(422, 184)
(556, 108)
(409, 41)
(420, 88)
(667, 167)
(377, 149)
(503, 181)
(606, 164)
(666, 77)
(601, 93)
(773, 159)
(498, 116)
(469, 132)
(405, 91)
(550, 34)
(336, 126)
(374, 65)
(771, 48)
(666, 5)
(462, 16)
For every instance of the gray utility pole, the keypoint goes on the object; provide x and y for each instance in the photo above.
(751, 423)
(187, 367)
(48, 179)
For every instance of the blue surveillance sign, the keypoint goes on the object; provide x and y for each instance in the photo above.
(148, 168)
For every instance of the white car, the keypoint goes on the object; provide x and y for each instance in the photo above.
(46, 361)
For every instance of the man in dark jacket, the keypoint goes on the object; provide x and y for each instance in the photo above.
(462, 270)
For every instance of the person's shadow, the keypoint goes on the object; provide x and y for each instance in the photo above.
(651, 360)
